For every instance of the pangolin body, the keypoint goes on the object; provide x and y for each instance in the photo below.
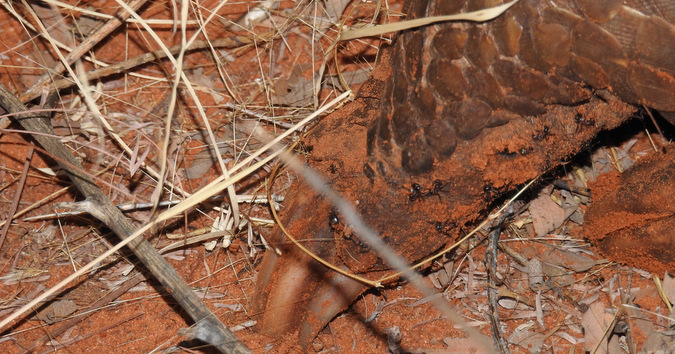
(462, 113)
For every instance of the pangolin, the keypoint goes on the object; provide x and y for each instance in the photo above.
(455, 115)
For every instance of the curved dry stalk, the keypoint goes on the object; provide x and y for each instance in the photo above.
(477, 16)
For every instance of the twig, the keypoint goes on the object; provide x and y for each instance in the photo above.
(17, 195)
(102, 208)
(492, 295)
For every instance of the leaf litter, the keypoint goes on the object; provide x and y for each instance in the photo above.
(559, 284)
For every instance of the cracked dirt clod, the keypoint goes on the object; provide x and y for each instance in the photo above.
(482, 108)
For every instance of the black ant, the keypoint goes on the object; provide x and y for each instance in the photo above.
(436, 187)
(415, 192)
(333, 219)
(543, 134)
(443, 227)
(583, 122)
(488, 192)
(333, 169)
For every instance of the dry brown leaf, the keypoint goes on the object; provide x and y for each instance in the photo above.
(546, 214)
(527, 339)
(659, 342)
(296, 90)
(57, 311)
(595, 322)
(562, 258)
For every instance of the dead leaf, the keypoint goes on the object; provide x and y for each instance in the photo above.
(659, 342)
(525, 338)
(595, 322)
(535, 274)
(294, 91)
(562, 258)
(546, 214)
(57, 311)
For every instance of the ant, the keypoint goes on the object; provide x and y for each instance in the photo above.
(583, 122)
(543, 134)
(436, 187)
(333, 219)
(333, 169)
(443, 227)
(489, 192)
(415, 192)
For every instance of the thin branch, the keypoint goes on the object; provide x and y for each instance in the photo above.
(17, 195)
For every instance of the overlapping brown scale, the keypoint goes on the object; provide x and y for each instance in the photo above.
(385, 136)
(659, 54)
(380, 134)
(654, 88)
(400, 88)
(620, 86)
(589, 71)
(552, 42)
(523, 105)
(484, 85)
(476, 5)
(660, 8)
(480, 48)
(599, 11)
(471, 117)
(528, 17)
(565, 91)
(446, 79)
(506, 32)
(441, 137)
(404, 123)
(449, 43)
(528, 53)
(592, 42)
(425, 102)
(500, 117)
(624, 26)
(523, 81)
(446, 7)
(416, 156)
(544, 43)
(417, 9)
